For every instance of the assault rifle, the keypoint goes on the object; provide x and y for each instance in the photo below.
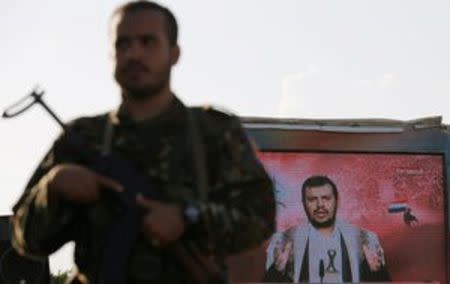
(124, 232)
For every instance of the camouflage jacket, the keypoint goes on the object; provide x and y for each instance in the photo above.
(238, 214)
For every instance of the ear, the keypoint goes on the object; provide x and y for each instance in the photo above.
(174, 54)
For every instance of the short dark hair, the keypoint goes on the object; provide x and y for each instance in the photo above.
(140, 5)
(315, 181)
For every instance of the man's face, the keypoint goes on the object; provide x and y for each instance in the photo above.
(320, 205)
(143, 55)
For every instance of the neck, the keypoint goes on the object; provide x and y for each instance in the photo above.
(326, 232)
(149, 107)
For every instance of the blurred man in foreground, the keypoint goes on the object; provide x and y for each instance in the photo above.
(65, 200)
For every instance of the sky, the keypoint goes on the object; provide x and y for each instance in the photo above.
(280, 59)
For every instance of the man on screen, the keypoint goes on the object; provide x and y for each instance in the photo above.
(325, 249)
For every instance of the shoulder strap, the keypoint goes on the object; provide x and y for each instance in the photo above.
(198, 153)
(108, 133)
(194, 138)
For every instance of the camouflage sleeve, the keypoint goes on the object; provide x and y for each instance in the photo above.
(241, 209)
(42, 223)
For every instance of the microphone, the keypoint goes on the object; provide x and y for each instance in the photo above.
(321, 270)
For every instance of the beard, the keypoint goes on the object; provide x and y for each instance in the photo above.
(320, 225)
(324, 224)
(141, 93)
(142, 90)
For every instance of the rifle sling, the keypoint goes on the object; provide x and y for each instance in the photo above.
(198, 155)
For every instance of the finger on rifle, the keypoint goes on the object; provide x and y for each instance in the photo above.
(145, 202)
(106, 182)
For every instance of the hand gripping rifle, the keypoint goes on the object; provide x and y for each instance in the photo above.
(124, 232)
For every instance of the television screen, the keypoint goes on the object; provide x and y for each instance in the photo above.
(390, 217)
(398, 197)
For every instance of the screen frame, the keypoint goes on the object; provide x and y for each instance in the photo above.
(365, 136)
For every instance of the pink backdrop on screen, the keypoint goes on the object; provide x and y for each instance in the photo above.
(368, 184)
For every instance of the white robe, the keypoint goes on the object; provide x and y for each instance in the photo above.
(353, 238)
